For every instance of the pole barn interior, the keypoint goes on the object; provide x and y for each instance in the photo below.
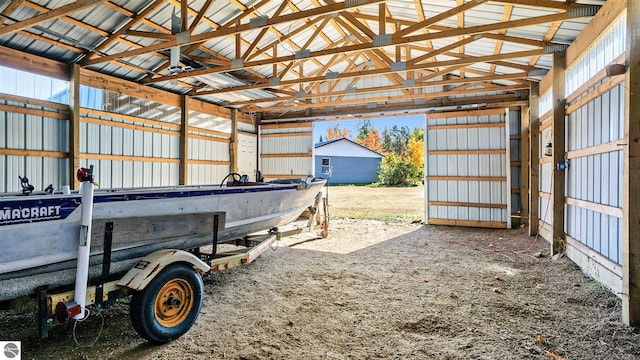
(531, 106)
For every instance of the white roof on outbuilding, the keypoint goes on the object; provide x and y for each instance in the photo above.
(344, 147)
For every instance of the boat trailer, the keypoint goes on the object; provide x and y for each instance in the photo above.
(166, 286)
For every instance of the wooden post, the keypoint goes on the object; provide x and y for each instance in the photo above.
(524, 162)
(74, 126)
(559, 101)
(183, 176)
(631, 169)
(233, 141)
(534, 159)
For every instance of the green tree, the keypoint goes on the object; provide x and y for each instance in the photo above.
(397, 171)
(364, 127)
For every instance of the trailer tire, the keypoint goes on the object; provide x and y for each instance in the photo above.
(169, 305)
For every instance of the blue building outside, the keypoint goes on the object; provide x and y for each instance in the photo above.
(346, 162)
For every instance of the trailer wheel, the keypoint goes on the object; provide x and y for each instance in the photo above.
(169, 305)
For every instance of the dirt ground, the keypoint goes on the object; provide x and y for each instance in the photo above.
(376, 290)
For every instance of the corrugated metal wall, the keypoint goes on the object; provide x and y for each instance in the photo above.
(594, 133)
(468, 169)
(209, 158)
(594, 178)
(131, 141)
(128, 140)
(286, 150)
(33, 143)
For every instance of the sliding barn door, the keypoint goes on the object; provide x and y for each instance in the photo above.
(467, 168)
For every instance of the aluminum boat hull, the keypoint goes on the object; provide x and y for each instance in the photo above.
(39, 233)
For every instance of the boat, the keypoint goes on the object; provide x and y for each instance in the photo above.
(39, 232)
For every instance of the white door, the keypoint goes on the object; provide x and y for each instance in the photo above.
(247, 154)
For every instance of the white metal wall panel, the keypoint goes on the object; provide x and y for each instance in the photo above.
(467, 168)
(609, 45)
(19, 131)
(286, 151)
(596, 178)
(211, 160)
(133, 143)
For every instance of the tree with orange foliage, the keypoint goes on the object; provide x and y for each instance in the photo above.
(337, 133)
(373, 141)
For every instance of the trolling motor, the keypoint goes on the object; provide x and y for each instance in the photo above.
(26, 187)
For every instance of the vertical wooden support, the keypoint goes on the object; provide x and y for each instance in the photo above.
(184, 14)
(559, 101)
(183, 177)
(382, 18)
(74, 126)
(534, 159)
(238, 43)
(631, 169)
(233, 141)
(524, 162)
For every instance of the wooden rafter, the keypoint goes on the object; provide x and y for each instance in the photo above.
(506, 15)
(133, 21)
(472, 30)
(384, 99)
(346, 45)
(462, 61)
(48, 16)
(324, 10)
(470, 81)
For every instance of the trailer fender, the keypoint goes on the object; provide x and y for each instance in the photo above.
(151, 265)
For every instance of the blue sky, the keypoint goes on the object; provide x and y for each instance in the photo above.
(378, 124)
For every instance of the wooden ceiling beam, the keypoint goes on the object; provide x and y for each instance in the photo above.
(506, 15)
(553, 29)
(245, 12)
(285, 37)
(544, 4)
(198, 17)
(405, 40)
(263, 32)
(386, 99)
(462, 61)
(458, 10)
(125, 12)
(469, 80)
(444, 49)
(48, 16)
(385, 61)
(13, 6)
(276, 20)
(133, 21)
(491, 101)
